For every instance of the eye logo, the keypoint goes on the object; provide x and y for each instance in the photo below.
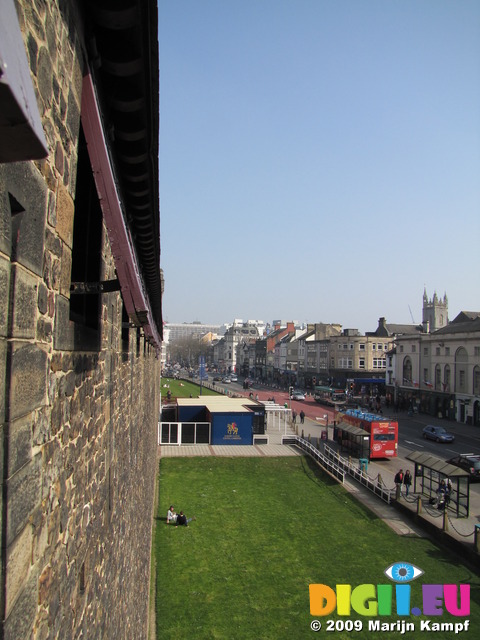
(403, 572)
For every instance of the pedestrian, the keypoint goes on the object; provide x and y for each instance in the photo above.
(294, 417)
(183, 520)
(399, 478)
(441, 495)
(302, 416)
(448, 491)
(171, 515)
(407, 481)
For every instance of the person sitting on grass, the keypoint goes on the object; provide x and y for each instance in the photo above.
(183, 520)
(171, 515)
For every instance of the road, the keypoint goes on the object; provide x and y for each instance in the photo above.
(467, 438)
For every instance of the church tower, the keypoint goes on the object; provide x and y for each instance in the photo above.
(435, 312)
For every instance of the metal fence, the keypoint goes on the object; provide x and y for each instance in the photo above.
(375, 485)
(328, 464)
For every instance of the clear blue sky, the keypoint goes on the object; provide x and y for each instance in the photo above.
(319, 159)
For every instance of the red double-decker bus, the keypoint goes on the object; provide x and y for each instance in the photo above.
(367, 435)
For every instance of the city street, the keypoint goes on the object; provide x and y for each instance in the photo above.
(467, 437)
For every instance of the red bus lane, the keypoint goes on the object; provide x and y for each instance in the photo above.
(313, 411)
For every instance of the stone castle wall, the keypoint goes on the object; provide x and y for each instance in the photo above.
(78, 422)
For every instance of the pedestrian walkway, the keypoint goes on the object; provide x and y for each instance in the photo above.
(228, 451)
(401, 516)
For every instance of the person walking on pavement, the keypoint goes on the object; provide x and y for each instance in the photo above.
(294, 417)
(407, 481)
(302, 416)
(398, 483)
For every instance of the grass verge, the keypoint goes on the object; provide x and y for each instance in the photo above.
(266, 528)
(183, 389)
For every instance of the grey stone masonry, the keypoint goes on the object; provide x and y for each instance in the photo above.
(79, 401)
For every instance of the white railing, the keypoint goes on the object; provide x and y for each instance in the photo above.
(325, 462)
(372, 484)
(173, 431)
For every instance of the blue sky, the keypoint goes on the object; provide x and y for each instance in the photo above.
(319, 159)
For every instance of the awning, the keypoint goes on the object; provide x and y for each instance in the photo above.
(21, 130)
(436, 464)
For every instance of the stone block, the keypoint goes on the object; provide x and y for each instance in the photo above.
(24, 307)
(3, 364)
(28, 384)
(19, 444)
(73, 115)
(44, 330)
(20, 620)
(22, 182)
(4, 294)
(66, 271)
(5, 213)
(65, 212)
(19, 559)
(42, 298)
(24, 494)
(63, 337)
(44, 75)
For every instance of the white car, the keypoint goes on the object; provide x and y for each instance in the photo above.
(298, 395)
(233, 378)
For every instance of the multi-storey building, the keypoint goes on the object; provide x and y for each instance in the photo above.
(178, 331)
(312, 349)
(286, 358)
(226, 350)
(360, 359)
(439, 372)
(265, 350)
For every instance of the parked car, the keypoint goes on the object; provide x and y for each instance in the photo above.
(468, 461)
(439, 434)
(298, 395)
(217, 378)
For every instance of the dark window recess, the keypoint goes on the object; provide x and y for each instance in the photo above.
(81, 579)
(138, 342)
(87, 241)
(17, 212)
(125, 331)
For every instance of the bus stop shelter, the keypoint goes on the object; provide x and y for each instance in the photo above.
(354, 440)
(430, 471)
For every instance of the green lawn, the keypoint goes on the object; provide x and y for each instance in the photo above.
(183, 389)
(266, 528)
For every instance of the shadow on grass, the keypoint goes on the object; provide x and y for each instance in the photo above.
(317, 475)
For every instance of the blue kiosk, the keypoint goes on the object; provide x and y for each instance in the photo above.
(219, 420)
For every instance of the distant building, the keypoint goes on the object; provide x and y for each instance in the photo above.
(435, 312)
(265, 350)
(227, 354)
(438, 373)
(177, 331)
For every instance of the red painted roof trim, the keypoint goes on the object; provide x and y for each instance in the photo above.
(134, 295)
